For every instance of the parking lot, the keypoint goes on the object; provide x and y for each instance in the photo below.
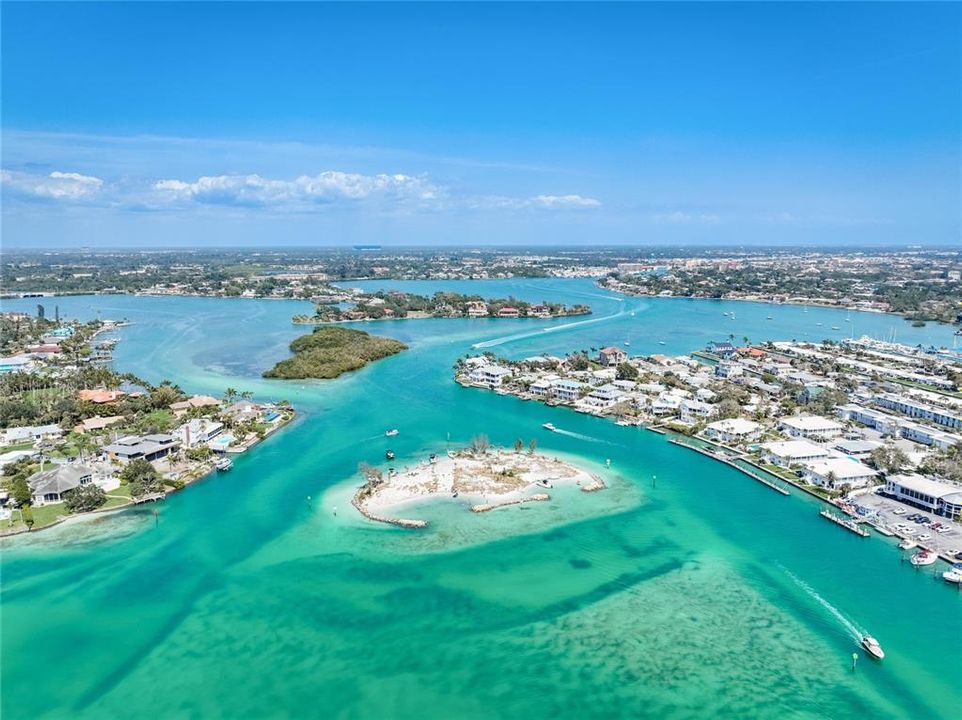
(890, 513)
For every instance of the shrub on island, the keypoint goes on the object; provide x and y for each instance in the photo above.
(331, 351)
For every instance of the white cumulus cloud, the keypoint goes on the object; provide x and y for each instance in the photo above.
(566, 201)
(326, 187)
(63, 186)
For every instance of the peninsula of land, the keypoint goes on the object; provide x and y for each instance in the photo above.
(482, 478)
(329, 352)
(396, 305)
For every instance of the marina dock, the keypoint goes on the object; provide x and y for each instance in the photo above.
(846, 523)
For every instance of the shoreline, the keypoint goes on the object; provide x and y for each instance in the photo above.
(488, 480)
(761, 301)
(428, 316)
(197, 475)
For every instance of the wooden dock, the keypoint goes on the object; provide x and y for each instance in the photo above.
(846, 523)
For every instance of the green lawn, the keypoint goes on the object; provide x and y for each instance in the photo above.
(18, 446)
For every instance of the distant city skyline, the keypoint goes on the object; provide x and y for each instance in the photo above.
(180, 125)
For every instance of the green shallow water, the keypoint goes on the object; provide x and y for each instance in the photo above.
(700, 594)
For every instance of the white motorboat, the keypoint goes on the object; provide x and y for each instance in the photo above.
(906, 544)
(224, 463)
(872, 647)
(391, 433)
(953, 576)
(549, 426)
(923, 557)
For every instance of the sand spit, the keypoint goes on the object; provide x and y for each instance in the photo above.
(487, 480)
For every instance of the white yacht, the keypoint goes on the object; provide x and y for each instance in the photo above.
(923, 557)
(872, 647)
(549, 426)
(391, 433)
(224, 463)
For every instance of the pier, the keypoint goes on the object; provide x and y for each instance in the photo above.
(730, 463)
(846, 523)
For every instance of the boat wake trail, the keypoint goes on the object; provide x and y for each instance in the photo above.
(854, 630)
(546, 331)
(586, 438)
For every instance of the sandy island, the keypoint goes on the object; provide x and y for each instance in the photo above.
(491, 479)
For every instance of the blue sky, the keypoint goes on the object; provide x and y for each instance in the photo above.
(205, 124)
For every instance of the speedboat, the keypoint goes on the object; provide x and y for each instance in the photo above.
(769, 317)
(923, 557)
(872, 647)
(391, 433)
(906, 544)
(389, 454)
(954, 575)
(224, 463)
(549, 426)
(836, 327)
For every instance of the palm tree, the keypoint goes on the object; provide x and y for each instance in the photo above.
(230, 395)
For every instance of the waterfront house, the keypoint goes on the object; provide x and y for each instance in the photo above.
(509, 312)
(612, 356)
(243, 411)
(49, 486)
(692, 411)
(149, 447)
(722, 349)
(490, 375)
(540, 388)
(927, 494)
(605, 396)
(833, 473)
(198, 431)
(477, 308)
(733, 430)
(666, 403)
(810, 427)
(541, 311)
(793, 452)
(195, 401)
(566, 390)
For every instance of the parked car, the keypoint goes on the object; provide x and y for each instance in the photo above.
(924, 536)
(899, 511)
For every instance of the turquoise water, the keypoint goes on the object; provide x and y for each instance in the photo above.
(699, 593)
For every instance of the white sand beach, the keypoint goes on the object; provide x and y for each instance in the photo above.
(488, 480)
